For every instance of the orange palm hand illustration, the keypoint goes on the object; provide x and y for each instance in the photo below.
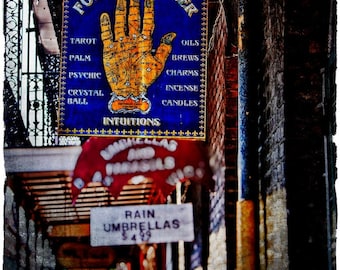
(129, 63)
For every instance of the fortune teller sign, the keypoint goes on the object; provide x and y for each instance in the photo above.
(133, 68)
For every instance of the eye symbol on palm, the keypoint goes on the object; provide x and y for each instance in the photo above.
(129, 63)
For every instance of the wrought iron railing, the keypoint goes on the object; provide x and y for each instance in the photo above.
(13, 45)
(31, 79)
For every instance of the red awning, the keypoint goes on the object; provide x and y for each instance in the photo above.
(115, 161)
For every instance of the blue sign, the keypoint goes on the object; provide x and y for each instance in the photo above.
(134, 68)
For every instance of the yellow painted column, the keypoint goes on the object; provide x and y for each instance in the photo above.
(245, 235)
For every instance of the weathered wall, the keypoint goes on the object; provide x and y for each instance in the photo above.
(306, 56)
(273, 230)
(216, 112)
(222, 135)
(291, 78)
(295, 189)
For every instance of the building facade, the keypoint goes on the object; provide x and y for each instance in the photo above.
(270, 124)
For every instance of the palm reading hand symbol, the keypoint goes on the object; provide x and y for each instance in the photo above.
(129, 63)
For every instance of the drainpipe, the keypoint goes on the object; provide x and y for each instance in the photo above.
(245, 223)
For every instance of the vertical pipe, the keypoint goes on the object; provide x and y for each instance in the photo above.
(326, 93)
(181, 250)
(327, 176)
(243, 102)
(245, 236)
(168, 256)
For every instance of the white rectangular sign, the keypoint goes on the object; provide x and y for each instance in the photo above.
(135, 224)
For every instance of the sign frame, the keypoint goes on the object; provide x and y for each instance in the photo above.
(137, 224)
(171, 105)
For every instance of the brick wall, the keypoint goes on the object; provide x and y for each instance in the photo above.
(306, 53)
(273, 229)
(231, 140)
(295, 224)
(292, 76)
(222, 119)
(216, 112)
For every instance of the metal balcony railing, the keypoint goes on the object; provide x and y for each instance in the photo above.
(31, 86)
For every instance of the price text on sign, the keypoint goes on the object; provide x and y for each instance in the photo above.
(129, 225)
